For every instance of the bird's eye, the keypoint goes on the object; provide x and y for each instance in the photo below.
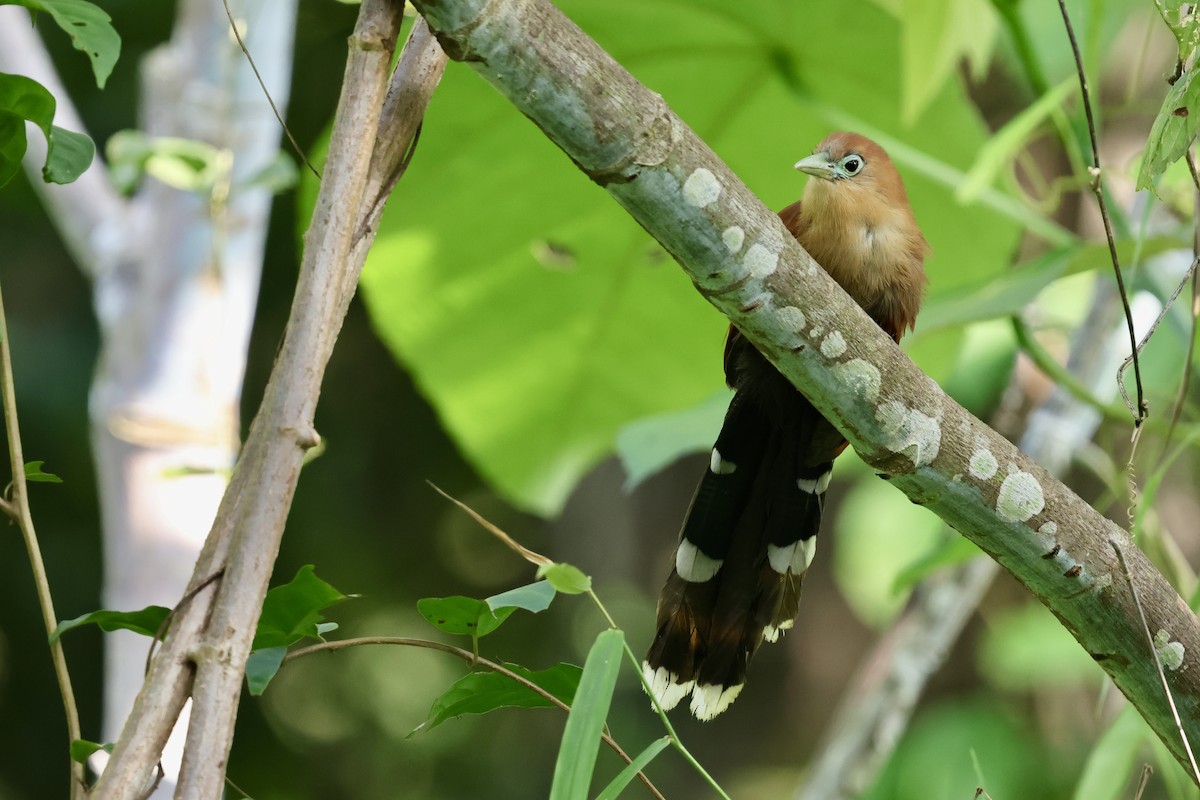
(852, 164)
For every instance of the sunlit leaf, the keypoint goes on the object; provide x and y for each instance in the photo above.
(565, 578)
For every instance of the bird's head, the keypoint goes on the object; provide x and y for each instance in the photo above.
(850, 164)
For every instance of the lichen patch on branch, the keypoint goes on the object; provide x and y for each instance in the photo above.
(860, 377)
(1020, 497)
(910, 432)
(760, 261)
(733, 237)
(982, 465)
(791, 318)
(833, 345)
(701, 188)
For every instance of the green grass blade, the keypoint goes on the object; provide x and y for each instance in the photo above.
(637, 765)
(581, 739)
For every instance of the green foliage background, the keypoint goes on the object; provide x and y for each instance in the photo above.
(536, 329)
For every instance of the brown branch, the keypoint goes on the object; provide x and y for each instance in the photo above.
(471, 659)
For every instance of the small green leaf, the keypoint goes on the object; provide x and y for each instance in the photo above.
(565, 578)
(292, 612)
(81, 749)
(146, 622)
(462, 615)
(535, 597)
(581, 738)
(89, 27)
(625, 776)
(70, 154)
(34, 472)
(261, 667)
(481, 692)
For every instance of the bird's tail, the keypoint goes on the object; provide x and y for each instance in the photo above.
(748, 539)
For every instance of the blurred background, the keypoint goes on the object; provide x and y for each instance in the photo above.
(521, 343)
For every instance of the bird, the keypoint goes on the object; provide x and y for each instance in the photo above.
(750, 532)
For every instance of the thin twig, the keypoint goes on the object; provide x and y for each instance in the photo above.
(524, 552)
(266, 93)
(1141, 411)
(472, 659)
(1137, 601)
(24, 518)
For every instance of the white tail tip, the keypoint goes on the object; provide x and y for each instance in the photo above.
(709, 700)
(665, 686)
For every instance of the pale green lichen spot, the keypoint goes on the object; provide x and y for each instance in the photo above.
(733, 237)
(1020, 497)
(861, 377)
(791, 318)
(1169, 653)
(760, 261)
(982, 464)
(701, 188)
(910, 432)
(833, 345)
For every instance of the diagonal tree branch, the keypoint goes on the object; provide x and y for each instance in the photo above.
(626, 139)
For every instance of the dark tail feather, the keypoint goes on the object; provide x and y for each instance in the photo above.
(747, 541)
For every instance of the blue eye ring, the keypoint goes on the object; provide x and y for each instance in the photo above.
(852, 164)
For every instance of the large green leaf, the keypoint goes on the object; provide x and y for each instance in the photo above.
(539, 319)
